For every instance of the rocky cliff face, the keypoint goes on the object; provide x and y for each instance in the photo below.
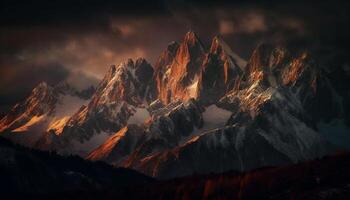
(275, 67)
(44, 109)
(253, 136)
(180, 77)
(186, 71)
(123, 92)
(221, 70)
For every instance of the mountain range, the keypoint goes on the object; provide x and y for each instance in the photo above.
(197, 110)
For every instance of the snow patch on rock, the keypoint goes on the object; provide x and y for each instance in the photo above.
(215, 117)
(140, 115)
(193, 88)
(83, 148)
(68, 105)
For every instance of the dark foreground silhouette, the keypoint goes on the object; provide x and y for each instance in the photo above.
(33, 174)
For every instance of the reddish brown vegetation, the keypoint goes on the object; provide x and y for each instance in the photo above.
(300, 181)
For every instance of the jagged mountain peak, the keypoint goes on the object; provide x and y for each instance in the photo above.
(118, 84)
(107, 77)
(267, 65)
(178, 79)
(124, 92)
(191, 70)
(45, 106)
(172, 46)
(111, 70)
(129, 64)
(42, 84)
(166, 57)
(221, 69)
(41, 88)
(260, 56)
(140, 61)
(216, 44)
(277, 66)
(191, 38)
(124, 69)
(191, 45)
(220, 47)
(142, 64)
(266, 55)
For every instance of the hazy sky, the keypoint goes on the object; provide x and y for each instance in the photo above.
(78, 40)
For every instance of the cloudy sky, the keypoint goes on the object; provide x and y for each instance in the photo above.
(77, 40)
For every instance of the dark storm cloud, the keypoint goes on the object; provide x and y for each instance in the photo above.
(63, 40)
(18, 80)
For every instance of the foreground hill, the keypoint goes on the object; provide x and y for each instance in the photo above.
(326, 178)
(321, 179)
(27, 171)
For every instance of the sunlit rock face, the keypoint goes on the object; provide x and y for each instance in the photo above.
(162, 67)
(186, 71)
(45, 108)
(124, 89)
(128, 82)
(119, 146)
(276, 67)
(38, 103)
(260, 117)
(168, 127)
(269, 122)
(179, 78)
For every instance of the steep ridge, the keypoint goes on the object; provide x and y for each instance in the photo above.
(123, 92)
(119, 146)
(221, 69)
(162, 68)
(44, 109)
(275, 67)
(185, 70)
(181, 76)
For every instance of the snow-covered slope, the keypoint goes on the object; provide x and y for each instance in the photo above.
(266, 130)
